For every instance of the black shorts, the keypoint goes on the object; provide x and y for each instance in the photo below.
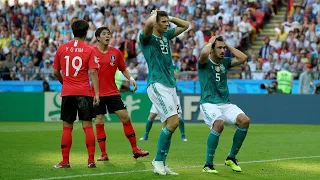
(113, 103)
(73, 105)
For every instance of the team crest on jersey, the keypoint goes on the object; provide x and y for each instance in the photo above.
(112, 59)
(223, 69)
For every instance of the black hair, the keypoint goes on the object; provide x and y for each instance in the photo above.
(80, 28)
(161, 14)
(99, 31)
(220, 38)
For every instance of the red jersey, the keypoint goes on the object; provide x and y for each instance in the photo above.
(109, 62)
(74, 59)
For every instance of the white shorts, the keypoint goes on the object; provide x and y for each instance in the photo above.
(226, 112)
(164, 100)
(154, 109)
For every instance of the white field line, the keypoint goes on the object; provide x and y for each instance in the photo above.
(186, 167)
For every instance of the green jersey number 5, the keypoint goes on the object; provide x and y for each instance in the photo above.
(217, 77)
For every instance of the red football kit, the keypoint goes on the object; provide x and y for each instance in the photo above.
(109, 62)
(75, 58)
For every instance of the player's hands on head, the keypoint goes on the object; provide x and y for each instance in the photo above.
(96, 100)
(154, 12)
(213, 39)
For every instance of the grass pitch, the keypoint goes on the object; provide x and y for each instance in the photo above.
(29, 151)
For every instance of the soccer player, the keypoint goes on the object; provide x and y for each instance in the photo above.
(153, 114)
(75, 59)
(154, 41)
(110, 59)
(215, 106)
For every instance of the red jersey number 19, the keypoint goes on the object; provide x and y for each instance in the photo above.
(73, 63)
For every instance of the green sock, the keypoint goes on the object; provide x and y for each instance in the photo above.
(181, 127)
(163, 141)
(149, 123)
(212, 143)
(166, 154)
(238, 139)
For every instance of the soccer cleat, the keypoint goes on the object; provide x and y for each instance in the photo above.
(62, 165)
(91, 165)
(144, 138)
(232, 162)
(140, 153)
(158, 167)
(169, 171)
(183, 138)
(103, 157)
(208, 168)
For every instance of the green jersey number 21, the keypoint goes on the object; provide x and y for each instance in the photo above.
(164, 49)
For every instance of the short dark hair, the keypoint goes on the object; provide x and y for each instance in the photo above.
(220, 38)
(80, 28)
(161, 14)
(99, 31)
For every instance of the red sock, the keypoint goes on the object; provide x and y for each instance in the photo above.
(90, 142)
(66, 142)
(129, 132)
(101, 137)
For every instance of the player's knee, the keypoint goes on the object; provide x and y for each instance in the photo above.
(125, 118)
(173, 123)
(99, 119)
(152, 116)
(243, 120)
(218, 126)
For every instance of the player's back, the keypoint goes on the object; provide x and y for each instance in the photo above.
(75, 58)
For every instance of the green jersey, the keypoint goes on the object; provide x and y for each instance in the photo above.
(156, 51)
(213, 81)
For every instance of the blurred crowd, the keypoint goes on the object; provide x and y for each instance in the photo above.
(30, 34)
(296, 46)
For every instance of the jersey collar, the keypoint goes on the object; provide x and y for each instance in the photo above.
(212, 61)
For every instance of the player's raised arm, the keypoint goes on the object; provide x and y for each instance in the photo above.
(151, 21)
(204, 54)
(182, 25)
(240, 57)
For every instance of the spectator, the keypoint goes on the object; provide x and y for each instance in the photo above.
(46, 73)
(4, 72)
(306, 80)
(133, 70)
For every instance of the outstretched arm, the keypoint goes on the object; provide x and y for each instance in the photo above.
(182, 25)
(240, 57)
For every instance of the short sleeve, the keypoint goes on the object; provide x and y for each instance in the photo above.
(228, 62)
(56, 61)
(93, 60)
(121, 64)
(142, 38)
(170, 33)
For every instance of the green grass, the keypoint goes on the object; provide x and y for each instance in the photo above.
(29, 151)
